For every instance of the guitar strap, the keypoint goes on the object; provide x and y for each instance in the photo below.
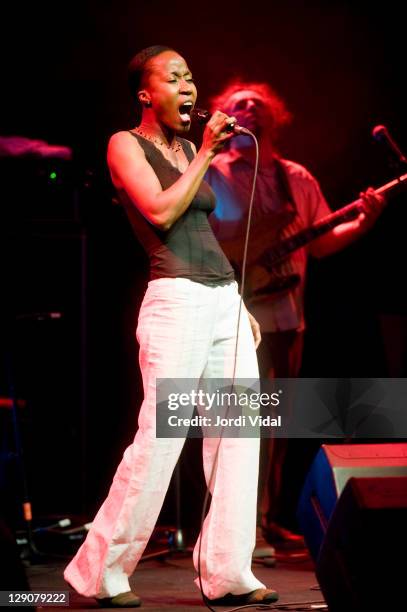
(282, 277)
(284, 183)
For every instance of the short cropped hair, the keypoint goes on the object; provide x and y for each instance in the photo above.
(138, 67)
(279, 115)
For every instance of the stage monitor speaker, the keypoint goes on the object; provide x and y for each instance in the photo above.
(329, 473)
(361, 566)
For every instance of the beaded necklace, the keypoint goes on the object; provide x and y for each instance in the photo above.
(175, 147)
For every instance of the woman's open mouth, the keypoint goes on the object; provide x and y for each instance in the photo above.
(185, 112)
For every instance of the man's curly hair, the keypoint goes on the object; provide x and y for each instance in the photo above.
(279, 115)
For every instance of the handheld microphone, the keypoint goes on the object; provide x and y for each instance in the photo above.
(202, 116)
(381, 134)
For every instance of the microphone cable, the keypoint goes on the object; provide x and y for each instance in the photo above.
(215, 461)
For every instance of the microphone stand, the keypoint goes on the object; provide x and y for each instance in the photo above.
(175, 535)
(33, 552)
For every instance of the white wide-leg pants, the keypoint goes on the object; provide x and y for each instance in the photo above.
(185, 330)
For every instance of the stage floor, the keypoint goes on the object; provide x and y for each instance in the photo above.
(167, 584)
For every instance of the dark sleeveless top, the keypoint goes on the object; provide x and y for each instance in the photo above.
(189, 248)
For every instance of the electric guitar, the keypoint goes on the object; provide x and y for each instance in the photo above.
(263, 261)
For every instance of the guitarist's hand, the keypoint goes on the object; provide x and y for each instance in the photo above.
(255, 330)
(373, 206)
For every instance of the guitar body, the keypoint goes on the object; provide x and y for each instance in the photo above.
(266, 271)
(262, 276)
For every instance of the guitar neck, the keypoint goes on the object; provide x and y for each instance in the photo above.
(326, 224)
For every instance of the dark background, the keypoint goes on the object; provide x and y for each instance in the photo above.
(67, 248)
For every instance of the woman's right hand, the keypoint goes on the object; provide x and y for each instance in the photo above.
(215, 135)
(138, 184)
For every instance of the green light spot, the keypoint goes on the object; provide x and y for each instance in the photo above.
(53, 175)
